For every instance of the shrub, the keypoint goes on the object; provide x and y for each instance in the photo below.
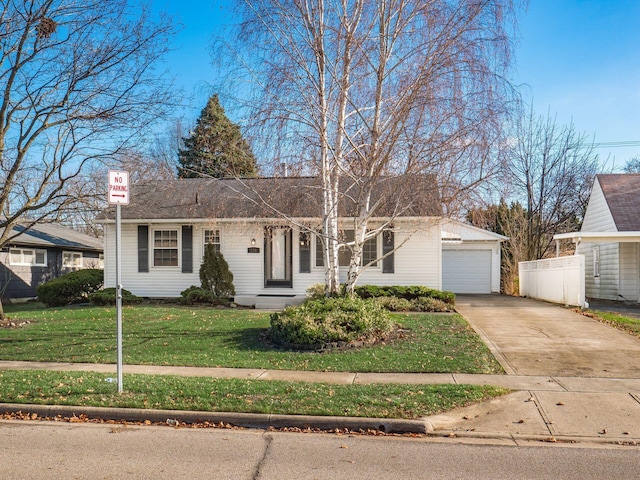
(215, 275)
(108, 297)
(73, 287)
(407, 292)
(316, 291)
(429, 304)
(193, 295)
(339, 319)
(394, 304)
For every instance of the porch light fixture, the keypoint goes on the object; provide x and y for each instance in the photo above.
(253, 241)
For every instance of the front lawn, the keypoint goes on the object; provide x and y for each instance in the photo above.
(211, 337)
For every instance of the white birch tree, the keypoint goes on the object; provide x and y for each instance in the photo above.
(360, 91)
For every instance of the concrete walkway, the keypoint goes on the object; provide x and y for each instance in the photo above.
(574, 380)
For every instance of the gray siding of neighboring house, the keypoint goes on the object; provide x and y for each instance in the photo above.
(18, 281)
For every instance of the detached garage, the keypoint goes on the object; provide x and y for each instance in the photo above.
(470, 259)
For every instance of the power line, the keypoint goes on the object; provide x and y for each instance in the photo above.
(626, 143)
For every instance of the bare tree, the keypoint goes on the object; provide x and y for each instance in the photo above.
(632, 165)
(551, 169)
(509, 220)
(77, 86)
(358, 91)
(89, 189)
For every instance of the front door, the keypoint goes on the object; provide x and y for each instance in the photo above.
(277, 257)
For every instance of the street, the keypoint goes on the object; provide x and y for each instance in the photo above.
(36, 449)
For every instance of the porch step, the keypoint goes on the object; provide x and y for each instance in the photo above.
(268, 302)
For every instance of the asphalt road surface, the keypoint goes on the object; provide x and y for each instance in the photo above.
(37, 450)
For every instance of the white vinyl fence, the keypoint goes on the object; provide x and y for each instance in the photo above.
(557, 280)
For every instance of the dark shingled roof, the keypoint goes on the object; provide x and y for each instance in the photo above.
(622, 192)
(299, 197)
(52, 235)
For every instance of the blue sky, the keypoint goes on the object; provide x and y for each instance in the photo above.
(578, 59)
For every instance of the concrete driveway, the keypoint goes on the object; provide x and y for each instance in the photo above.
(531, 337)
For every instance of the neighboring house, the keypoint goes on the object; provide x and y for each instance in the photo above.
(610, 238)
(42, 252)
(168, 223)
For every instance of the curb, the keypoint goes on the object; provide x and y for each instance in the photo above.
(245, 420)
(566, 440)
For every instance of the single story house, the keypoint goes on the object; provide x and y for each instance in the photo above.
(610, 238)
(261, 226)
(42, 252)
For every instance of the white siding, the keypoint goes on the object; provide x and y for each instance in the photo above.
(606, 285)
(629, 274)
(597, 217)
(417, 262)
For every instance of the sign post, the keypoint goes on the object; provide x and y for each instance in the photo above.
(118, 196)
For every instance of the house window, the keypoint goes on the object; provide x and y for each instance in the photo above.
(596, 262)
(212, 237)
(305, 252)
(29, 257)
(369, 251)
(165, 248)
(71, 259)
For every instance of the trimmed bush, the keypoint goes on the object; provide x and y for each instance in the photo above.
(215, 275)
(108, 297)
(194, 295)
(315, 291)
(73, 287)
(428, 304)
(330, 320)
(407, 292)
(394, 304)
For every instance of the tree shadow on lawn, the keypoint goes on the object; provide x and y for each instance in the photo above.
(246, 339)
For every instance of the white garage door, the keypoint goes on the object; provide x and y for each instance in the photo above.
(466, 271)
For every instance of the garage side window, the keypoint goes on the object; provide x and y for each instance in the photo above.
(596, 261)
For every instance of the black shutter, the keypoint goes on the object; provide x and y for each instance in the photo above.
(143, 248)
(388, 265)
(187, 249)
(305, 252)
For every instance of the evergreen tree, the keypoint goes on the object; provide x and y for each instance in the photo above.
(215, 275)
(216, 147)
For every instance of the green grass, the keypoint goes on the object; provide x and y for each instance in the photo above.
(210, 337)
(628, 324)
(236, 395)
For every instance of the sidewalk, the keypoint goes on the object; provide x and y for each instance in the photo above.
(543, 408)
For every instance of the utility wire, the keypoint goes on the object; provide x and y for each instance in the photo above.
(626, 143)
